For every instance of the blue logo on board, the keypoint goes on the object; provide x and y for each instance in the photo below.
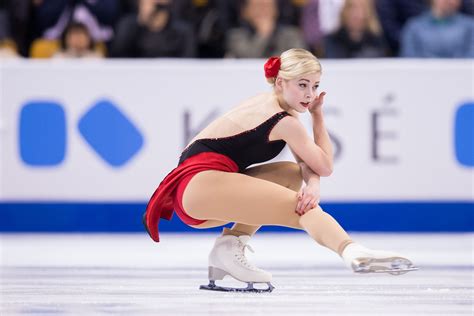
(43, 133)
(464, 134)
(108, 131)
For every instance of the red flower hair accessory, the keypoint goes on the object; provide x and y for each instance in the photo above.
(272, 66)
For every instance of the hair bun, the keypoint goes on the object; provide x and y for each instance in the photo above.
(271, 67)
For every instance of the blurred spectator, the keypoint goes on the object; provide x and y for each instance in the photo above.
(359, 35)
(7, 46)
(4, 25)
(320, 18)
(311, 26)
(330, 15)
(18, 15)
(154, 31)
(128, 6)
(393, 15)
(51, 17)
(467, 7)
(259, 34)
(76, 42)
(442, 32)
(210, 20)
(291, 11)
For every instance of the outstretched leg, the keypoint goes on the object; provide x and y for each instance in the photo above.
(252, 201)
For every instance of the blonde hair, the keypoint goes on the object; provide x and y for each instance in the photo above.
(372, 22)
(295, 63)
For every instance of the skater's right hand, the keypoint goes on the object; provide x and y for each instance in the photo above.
(308, 198)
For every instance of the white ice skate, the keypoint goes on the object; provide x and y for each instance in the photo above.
(364, 260)
(228, 258)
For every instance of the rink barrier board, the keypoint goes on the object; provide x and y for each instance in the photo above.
(109, 217)
(122, 132)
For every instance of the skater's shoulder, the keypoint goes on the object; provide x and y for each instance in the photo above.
(288, 123)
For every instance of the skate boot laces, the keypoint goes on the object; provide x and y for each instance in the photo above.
(240, 255)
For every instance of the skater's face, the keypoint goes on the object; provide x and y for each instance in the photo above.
(300, 92)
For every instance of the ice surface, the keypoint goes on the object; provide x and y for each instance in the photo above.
(128, 274)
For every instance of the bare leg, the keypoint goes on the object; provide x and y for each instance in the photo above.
(287, 174)
(332, 235)
(254, 202)
(233, 241)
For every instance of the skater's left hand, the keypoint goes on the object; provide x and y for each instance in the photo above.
(308, 198)
(317, 103)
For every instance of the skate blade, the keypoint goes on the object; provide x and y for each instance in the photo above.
(394, 271)
(393, 265)
(249, 289)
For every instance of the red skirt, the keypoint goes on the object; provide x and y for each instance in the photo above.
(168, 195)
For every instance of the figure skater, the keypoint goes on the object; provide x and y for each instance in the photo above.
(213, 184)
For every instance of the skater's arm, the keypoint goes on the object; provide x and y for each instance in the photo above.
(308, 175)
(316, 153)
(309, 195)
(295, 135)
(320, 134)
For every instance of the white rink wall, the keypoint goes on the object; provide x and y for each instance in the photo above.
(393, 123)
